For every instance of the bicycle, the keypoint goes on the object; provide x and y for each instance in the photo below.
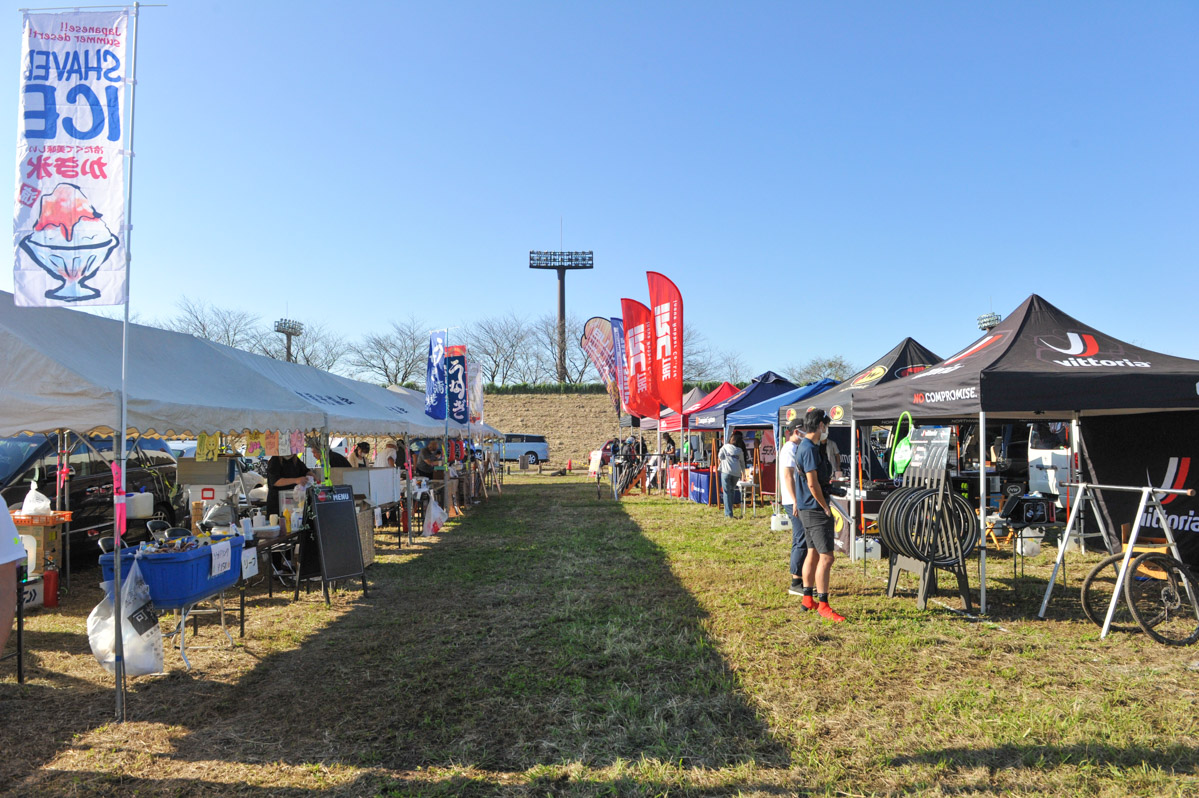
(1163, 597)
(1097, 591)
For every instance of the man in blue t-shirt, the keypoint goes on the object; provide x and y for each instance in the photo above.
(815, 513)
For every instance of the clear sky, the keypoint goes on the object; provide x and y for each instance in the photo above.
(818, 178)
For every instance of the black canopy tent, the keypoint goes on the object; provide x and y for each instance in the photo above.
(905, 358)
(1038, 363)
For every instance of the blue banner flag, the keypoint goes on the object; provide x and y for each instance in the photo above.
(455, 368)
(435, 377)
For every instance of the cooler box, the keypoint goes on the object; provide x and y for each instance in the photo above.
(176, 579)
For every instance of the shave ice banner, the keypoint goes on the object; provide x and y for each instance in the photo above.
(69, 224)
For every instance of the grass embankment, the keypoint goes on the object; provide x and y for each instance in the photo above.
(556, 643)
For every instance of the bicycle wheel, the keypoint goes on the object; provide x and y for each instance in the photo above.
(1097, 596)
(1163, 597)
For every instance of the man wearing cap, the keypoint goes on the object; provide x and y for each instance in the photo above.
(789, 476)
(815, 513)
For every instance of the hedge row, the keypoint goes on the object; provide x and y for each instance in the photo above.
(577, 387)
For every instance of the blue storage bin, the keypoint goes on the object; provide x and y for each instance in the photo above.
(180, 578)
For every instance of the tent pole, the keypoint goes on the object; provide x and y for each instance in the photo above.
(853, 491)
(982, 512)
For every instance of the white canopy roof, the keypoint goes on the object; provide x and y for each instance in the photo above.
(62, 368)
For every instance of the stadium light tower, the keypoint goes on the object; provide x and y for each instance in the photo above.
(290, 329)
(988, 321)
(561, 262)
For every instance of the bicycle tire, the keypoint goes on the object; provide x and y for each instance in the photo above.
(1163, 597)
(1096, 596)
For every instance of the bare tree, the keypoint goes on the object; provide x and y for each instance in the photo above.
(237, 328)
(392, 358)
(498, 344)
(819, 368)
(731, 366)
(699, 361)
(542, 364)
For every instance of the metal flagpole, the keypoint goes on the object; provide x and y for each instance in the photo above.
(445, 440)
(119, 497)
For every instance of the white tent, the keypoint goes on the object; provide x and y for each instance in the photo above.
(62, 369)
(343, 402)
(416, 400)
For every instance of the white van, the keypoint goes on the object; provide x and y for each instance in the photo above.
(519, 443)
(1049, 458)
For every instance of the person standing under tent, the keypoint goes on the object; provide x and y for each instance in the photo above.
(788, 477)
(282, 473)
(385, 456)
(668, 448)
(832, 453)
(360, 455)
(815, 513)
(732, 466)
(429, 459)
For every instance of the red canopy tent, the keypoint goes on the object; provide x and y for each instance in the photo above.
(679, 421)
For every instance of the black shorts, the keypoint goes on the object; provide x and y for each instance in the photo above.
(818, 529)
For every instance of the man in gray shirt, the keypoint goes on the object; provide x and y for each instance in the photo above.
(732, 465)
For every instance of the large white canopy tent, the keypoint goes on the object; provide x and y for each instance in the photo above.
(62, 369)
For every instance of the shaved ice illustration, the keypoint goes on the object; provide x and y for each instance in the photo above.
(70, 242)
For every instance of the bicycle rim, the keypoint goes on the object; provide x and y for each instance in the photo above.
(1097, 591)
(1162, 595)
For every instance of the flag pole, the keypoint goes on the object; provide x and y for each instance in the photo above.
(122, 455)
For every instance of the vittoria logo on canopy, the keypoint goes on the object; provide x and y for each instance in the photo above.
(837, 413)
(908, 371)
(1081, 349)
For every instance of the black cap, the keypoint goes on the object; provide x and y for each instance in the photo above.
(794, 425)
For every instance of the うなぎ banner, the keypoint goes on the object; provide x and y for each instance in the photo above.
(69, 223)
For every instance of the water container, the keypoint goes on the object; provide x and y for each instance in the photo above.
(139, 505)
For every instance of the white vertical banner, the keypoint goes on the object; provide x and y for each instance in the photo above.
(474, 378)
(69, 223)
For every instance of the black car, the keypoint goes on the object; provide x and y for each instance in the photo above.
(152, 468)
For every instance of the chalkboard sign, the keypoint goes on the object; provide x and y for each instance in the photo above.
(335, 527)
(930, 448)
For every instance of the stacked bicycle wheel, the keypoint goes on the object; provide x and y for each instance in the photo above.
(909, 523)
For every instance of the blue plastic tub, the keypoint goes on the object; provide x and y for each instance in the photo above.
(177, 579)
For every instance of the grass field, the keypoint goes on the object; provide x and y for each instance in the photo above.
(556, 643)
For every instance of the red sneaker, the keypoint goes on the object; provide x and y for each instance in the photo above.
(828, 612)
(808, 603)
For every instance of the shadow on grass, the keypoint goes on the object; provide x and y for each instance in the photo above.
(1174, 758)
(545, 629)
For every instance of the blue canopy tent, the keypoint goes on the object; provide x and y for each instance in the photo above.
(764, 386)
(766, 413)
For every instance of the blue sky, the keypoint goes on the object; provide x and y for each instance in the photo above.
(818, 178)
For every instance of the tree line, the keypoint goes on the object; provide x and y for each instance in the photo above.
(510, 349)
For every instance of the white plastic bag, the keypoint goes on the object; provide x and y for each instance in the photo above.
(35, 502)
(435, 518)
(141, 633)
